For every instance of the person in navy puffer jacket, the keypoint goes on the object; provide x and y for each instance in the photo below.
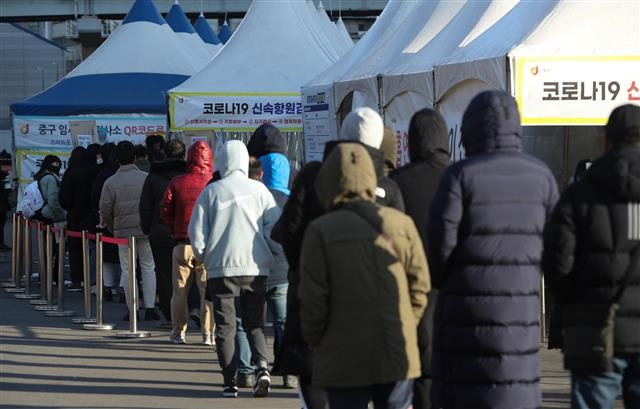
(484, 246)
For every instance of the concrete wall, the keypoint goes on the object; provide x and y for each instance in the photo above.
(28, 64)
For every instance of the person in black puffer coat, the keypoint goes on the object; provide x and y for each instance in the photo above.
(484, 241)
(160, 239)
(429, 155)
(75, 198)
(294, 357)
(587, 249)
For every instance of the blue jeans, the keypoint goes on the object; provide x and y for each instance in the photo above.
(601, 390)
(394, 395)
(243, 350)
(276, 298)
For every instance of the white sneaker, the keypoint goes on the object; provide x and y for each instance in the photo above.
(207, 339)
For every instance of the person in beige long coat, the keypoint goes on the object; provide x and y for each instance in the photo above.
(363, 288)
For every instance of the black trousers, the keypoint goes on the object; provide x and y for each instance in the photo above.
(162, 250)
(250, 290)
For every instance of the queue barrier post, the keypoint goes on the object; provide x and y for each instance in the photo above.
(12, 281)
(14, 285)
(99, 324)
(87, 319)
(48, 256)
(44, 271)
(60, 311)
(27, 295)
(543, 322)
(133, 297)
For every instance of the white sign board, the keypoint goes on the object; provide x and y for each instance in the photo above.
(53, 132)
(234, 112)
(575, 90)
(319, 121)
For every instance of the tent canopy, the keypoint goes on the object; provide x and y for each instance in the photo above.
(202, 27)
(277, 47)
(129, 73)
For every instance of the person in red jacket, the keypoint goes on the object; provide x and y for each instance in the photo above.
(176, 206)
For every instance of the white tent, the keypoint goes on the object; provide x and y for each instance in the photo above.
(320, 124)
(567, 62)
(335, 37)
(343, 33)
(407, 83)
(362, 79)
(256, 77)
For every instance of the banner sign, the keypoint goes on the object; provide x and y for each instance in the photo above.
(54, 132)
(575, 90)
(319, 121)
(235, 111)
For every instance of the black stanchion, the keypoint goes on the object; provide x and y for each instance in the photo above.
(27, 295)
(87, 319)
(60, 311)
(543, 323)
(14, 285)
(133, 299)
(99, 325)
(44, 271)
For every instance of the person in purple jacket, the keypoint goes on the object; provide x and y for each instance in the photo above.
(484, 241)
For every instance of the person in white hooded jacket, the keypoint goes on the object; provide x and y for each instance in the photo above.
(229, 231)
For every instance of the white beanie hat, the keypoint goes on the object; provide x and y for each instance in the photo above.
(363, 125)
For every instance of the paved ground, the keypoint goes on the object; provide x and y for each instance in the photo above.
(53, 363)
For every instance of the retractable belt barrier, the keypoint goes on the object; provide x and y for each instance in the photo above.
(44, 301)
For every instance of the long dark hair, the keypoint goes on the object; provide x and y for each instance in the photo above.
(51, 164)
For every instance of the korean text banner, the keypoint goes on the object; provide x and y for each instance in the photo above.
(575, 90)
(235, 111)
(53, 132)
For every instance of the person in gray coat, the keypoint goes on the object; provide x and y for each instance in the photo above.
(120, 210)
(484, 244)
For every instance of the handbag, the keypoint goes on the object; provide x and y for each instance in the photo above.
(589, 330)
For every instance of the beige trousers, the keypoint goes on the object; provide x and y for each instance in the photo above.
(185, 270)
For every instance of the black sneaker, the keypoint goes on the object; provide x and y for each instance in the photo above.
(263, 383)
(107, 295)
(230, 391)
(150, 314)
(74, 287)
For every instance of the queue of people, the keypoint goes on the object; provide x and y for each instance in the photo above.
(410, 287)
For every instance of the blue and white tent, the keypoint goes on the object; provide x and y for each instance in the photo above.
(194, 45)
(117, 93)
(204, 30)
(225, 33)
(129, 73)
